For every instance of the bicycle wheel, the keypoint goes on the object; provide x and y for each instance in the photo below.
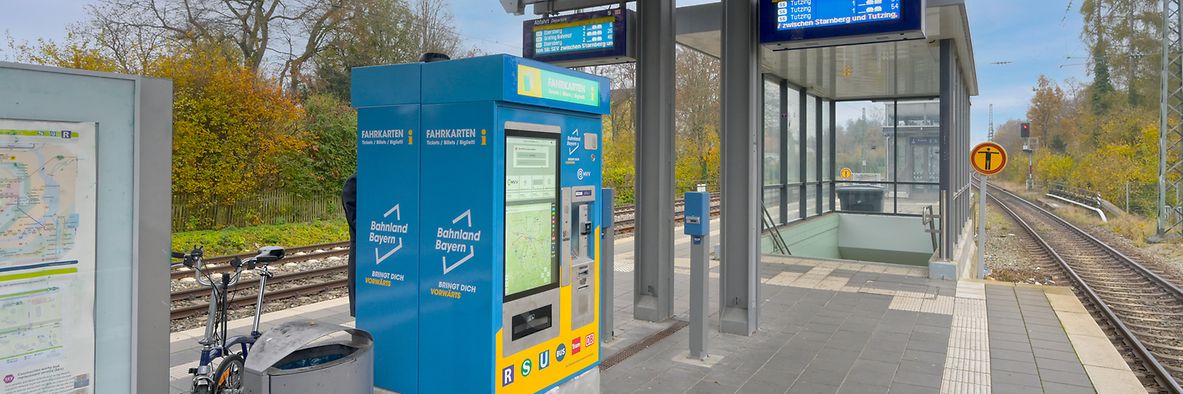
(228, 376)
(201, 390)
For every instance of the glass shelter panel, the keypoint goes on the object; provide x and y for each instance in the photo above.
(793, 137)
(772, 133)
(918, 155)
(862, 146)
(827, 131)
(772, 202)
(810, 138)
(793, 198)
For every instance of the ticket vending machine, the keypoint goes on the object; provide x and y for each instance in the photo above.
(478, 223)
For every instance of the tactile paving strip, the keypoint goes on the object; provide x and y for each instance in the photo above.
(967, 362)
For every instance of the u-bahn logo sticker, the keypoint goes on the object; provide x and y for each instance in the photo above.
(988, 158)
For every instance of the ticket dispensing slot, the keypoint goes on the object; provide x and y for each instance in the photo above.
(531, 322)
(577, 214)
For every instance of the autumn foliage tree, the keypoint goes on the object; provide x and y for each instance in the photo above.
(230, 127)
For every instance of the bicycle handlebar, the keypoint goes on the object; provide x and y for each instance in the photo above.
(267, 254)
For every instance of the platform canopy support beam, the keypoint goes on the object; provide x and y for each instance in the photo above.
(654, 273)
(739, 270)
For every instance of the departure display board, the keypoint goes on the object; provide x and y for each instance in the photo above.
(791, 24)
(570, 37)
(590, 38)
(796, 14)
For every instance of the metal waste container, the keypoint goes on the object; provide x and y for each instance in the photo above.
(861, 198)
(285, 360)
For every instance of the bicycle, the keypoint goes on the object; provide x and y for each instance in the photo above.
(231, 352)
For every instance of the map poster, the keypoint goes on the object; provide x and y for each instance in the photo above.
(47, 256)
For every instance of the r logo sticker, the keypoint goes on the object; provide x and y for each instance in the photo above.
(507, 376)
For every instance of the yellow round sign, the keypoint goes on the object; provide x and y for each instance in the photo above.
(988, 158)
(845, 173)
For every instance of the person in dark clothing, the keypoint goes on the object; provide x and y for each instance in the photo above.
(349, 202)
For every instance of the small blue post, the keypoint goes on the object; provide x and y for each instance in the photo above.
(607, 262)
(698, 227)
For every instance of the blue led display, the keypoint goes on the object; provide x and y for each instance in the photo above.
(798, 14)
(575, 38)
(793, 24)
(597, 37)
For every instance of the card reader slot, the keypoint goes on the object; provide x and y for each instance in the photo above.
(531, 322)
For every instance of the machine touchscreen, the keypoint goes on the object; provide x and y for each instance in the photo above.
(531, 216)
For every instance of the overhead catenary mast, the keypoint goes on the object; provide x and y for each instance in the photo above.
(990, 137)
(1170, 143)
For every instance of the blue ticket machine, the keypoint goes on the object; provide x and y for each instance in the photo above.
(478, 223)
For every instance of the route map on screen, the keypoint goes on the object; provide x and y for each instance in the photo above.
(531, 201)
(803, 14)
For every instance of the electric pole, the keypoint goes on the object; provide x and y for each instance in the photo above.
(1170, 139)
(990, 137)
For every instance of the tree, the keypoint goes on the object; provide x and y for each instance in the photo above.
(380, 32)
(296, 30)
(435, 30)
(329, 155)
(697, 118)
(78, 51)
(1047, 107)
(1124, 39)
(230, 127)
(619, 130)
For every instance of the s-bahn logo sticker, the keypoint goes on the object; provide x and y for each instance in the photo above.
(988, 158)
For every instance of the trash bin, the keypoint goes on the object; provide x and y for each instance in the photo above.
(861, 198)
(286, 360)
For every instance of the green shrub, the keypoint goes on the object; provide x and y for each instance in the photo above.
(234, 240)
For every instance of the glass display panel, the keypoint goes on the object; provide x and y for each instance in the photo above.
(793, 140)
(772, 202)
(865, 132)
(531, 213)
(772, 137)
(811, 200)
(827, 132)
(810, 138)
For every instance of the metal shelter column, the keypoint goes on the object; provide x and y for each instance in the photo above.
(739, 270)
(654, 273)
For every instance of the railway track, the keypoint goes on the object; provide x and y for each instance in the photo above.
(1144, 309)
(288, 285)
(220, 264)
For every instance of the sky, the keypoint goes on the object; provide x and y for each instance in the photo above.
(1036, 36)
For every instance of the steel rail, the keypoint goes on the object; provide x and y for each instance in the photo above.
(220, 264)
(198, 309)
(198, 292)
(1161, 371)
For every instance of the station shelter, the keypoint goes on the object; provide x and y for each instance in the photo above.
(863, 145)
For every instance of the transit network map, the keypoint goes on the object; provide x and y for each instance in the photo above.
(529, 244)
(48, 182)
